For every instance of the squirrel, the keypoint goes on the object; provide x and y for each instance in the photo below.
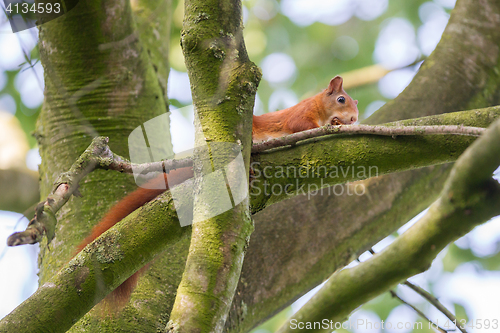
(331, 106)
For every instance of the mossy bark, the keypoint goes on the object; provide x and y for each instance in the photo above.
(99, 80)
(223, 84)
(154, 24)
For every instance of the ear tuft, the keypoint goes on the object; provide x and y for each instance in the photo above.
(335, 85)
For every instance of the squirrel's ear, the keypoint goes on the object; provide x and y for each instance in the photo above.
(335, 85)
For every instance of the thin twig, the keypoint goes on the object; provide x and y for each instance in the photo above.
(420, 313)
(437, 304)
(366, 129)
(430, 298)
(112, 161)
(96, 156)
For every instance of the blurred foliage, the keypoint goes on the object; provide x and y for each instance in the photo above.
(457, 256)
(311, 47)
(27, 116)
(275, 323)
(461, 313)
(382, 305)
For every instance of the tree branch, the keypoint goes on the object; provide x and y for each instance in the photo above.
(96, 156)
(44, 222)
(395, 131)
(437, 304)
(420, 313)
(470, 197)
(283, 173)
(224, 83)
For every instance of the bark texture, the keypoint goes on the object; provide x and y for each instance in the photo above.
(470, 197)
(223, 84)
(99, 81)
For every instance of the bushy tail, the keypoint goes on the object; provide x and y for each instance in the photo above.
(117, 299)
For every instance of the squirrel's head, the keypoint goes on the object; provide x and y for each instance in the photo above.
(340, 107)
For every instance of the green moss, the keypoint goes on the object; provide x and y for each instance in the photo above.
(100, 83)
(349, 158)
(106, 248)
(74, 263)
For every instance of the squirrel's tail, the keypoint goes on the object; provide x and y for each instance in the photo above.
(117, 299)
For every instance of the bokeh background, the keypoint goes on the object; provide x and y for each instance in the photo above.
(377, 45)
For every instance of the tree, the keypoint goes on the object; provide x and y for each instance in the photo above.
(112, 78)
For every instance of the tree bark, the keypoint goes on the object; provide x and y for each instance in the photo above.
(223, 84)
(470, 197)
(100, 80)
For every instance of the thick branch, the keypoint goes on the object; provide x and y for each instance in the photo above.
(223, 83)
(283, 173)
(470, 197)
(100, 82)
(395, 131)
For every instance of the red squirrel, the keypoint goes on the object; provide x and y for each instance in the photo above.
(331, 106)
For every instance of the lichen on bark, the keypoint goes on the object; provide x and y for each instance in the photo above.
(223, 85)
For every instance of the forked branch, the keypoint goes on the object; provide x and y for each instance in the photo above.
(96, 156)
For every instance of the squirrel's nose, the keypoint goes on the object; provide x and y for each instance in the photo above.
(353, 119)
(355, 102)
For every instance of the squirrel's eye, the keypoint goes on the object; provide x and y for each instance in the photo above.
(341, 99)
